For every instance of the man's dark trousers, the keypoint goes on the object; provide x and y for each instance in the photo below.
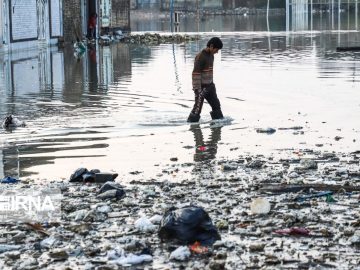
(207, 92)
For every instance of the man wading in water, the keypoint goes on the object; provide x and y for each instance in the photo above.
(202, 81)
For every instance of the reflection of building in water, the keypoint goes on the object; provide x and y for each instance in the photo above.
(30, 77)
(27, 73)
(301, 15)
(298, 12)
(121, 59)
(106, 76)
(105, 63)
(100, 66)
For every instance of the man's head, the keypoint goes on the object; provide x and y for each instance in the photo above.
(214, 44)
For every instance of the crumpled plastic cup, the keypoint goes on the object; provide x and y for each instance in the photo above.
(260, 206)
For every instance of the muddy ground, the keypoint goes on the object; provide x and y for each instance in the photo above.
(102, 232)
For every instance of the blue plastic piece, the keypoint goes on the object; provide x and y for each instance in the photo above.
(316, 195)
(9, 180)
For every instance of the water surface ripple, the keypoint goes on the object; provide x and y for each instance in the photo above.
(124, 107)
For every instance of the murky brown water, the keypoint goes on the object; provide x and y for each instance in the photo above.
(124, 107)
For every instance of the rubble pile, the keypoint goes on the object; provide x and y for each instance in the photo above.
(155, 38)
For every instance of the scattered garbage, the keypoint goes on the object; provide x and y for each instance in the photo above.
(182, 253)
(77, 175)
(95, 224)
(198, 248)
(229, 167)
(188, 225)
(330, 199)
(156, 219)
(156, 38)
(5, 248)
(93, 176)
(11, 121)
(9, 180)
(110, 186)
(119, 257)
(79, 47)
(294, 231)
(37, 227)
(302, 198)
(255, 164)
(266, 130)
(58, 254)
(79, 214)
(355, 239)
(260, 206)
(111, 194)
(202, 148)
(105, 38)
(132, 259)
(308, 164)
(118, 35)
(111, 190)
(144, 224)
(222, 224)
(48, 242)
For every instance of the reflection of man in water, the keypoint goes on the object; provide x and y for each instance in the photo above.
(205, 150)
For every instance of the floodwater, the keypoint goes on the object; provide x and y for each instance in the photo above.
(123, 107)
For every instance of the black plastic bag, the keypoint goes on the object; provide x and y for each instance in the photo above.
(117, 191)
(92, 176)
(187, 225)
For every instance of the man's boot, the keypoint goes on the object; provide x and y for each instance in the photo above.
(193, 118)
(216, 114)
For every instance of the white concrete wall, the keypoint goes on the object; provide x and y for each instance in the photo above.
(56, 18)
(24, 20)
(29, 24)
(5, 25)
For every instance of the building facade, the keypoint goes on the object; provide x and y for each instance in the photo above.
(112, 15)
(30, 23)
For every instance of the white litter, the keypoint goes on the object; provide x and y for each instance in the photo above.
(180, 254)
(48, 242)
(260, 206)
(156, 219)
(144, 224)
(132, 259)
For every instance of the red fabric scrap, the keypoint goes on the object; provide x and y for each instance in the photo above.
(294, 231)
